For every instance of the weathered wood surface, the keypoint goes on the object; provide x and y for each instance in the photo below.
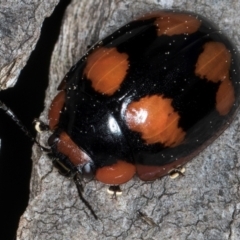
(205, 204)
(20, 26)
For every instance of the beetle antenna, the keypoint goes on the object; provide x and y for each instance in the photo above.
(77, 180)
(12, 115)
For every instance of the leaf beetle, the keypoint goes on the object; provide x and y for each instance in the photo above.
(144, 100)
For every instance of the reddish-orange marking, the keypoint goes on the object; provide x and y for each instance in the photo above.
(174, 23)
(151, 173)
(55, 109)
(106, 68)
(67, 147)
(225, 97)
(156, 120)
(117, 173)
(214, 64)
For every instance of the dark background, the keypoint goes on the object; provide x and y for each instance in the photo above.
(26, 100)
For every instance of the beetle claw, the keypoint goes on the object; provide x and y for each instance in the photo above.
(40, 126)
(174, 173)
(115, 191)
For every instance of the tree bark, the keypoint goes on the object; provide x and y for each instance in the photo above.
(204, 204)
(20, 26)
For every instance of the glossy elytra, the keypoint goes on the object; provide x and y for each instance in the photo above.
(145, 100)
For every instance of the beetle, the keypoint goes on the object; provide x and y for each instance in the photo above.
(144, 100)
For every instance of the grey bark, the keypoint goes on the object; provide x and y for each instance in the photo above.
(20, 25)
(205, 204)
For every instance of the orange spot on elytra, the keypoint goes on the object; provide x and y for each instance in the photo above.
(156, 120)
(117, 173)
(176, 23)
(67, 147)
(225, 97)
(55, 109)
(213, 64)
(150, 173)
(106, 68)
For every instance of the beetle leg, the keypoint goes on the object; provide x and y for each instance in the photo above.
(114, 191)
(174, 173)
(62, 168)
(40, 126)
